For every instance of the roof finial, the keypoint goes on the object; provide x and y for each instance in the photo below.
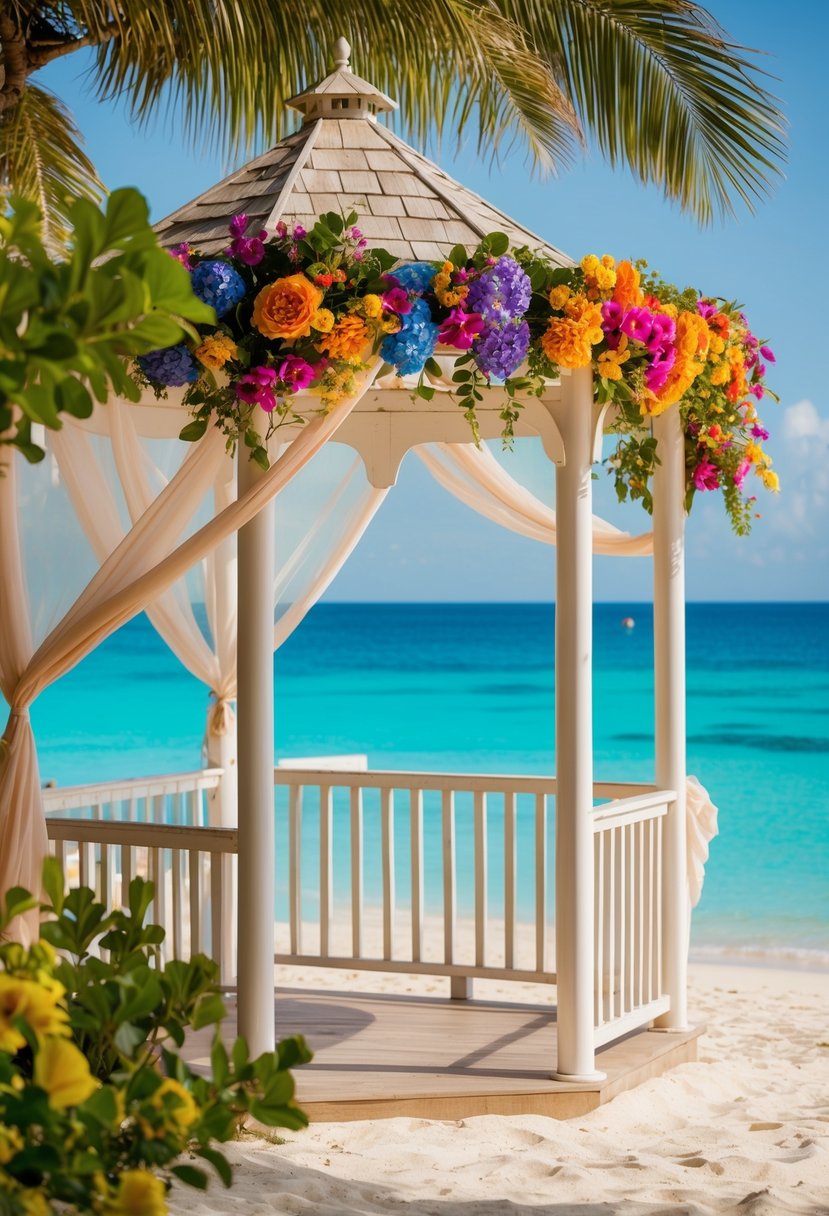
(342, 51)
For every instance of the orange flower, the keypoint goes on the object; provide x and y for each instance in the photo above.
(285, 309)
(566, 343)
(627, 291)
(347, 339)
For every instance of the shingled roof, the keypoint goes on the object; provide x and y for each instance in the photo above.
(341, 159)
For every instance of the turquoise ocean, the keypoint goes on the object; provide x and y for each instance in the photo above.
(469, 688)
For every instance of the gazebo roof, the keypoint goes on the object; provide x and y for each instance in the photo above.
(342, 158)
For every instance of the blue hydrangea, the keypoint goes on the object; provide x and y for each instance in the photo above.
(173, 366)
(412, 345)
(415, 276)
(503, 290)
(501, 349)
(218, 284)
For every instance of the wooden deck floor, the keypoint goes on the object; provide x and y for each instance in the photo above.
(381, 1056)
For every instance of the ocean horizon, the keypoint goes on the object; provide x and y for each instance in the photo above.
(469, 688)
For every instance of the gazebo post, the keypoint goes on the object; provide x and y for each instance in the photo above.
(669, 705)
(574, 732)
(255, 698)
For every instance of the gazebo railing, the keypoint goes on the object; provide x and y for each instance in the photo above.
(187, 865)
(443, 874)
(627, 923)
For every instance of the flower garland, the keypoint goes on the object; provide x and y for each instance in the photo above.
(303, 311)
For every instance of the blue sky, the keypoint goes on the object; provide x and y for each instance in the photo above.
(425, 546)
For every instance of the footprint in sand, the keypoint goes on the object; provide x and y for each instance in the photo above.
(764, 1127)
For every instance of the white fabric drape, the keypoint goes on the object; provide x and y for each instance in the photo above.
(474, 476)
(148, 561)
(701, 828)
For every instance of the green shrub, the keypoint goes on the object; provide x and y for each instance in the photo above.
(97, 1108)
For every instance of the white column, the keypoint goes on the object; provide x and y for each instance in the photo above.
(226, 620)
(669, 679)
(255, 767)
(574, 732)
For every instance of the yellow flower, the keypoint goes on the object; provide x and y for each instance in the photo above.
(215, 351)
(390, 323)
(754, 453)
(610, 361)
(139, 1193)
(599, 276)
(35, 1203)
(721, 374)
(64, 1073)
(769, 479)
(347, 339)
(372, 306)
(184, 1112)
(323, 320)
(11, 1142)
(588, 314)
(559, 296)
(286, 308)
(36, 1003)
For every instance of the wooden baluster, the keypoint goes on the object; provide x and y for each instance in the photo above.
(387, 854)
(295, 867)
(540, 882)
(326, 871)
(481, 909)
(356, 817)
(416, 837)
(509, 879)
(195, 902)
(217, 913)
(177, 860)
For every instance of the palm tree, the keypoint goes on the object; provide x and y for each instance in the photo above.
(657, 83)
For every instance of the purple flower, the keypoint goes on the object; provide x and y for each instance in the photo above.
(460, 329)
(757, 391)
(768, 353)
(759, 432)
(172, 366)
(296, 372)
(299, 232)
(706, 475)
(219, 285)
(248, 249)
(355, 234)
(238, 225)
(501, 349)
(706, 309)
(256, 387)
(502, 291)
(664, 332)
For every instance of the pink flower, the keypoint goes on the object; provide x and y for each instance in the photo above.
(664, 332)
(706, 309)
(182, 253)
(256, 387)
(741, 473)
(637, 323)
(460, 329)
(661, 364)
(281, 229)
(768, 353)
(238, 225)
(295, 372)
(396, 299)
(759, 432)
(299, 232)
(706, 475)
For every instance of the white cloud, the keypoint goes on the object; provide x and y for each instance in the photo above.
(802, 421)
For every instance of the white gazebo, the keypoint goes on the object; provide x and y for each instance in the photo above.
(620, 895)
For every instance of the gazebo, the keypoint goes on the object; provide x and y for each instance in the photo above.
(621, 889)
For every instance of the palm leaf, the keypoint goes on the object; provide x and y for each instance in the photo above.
(41, 158)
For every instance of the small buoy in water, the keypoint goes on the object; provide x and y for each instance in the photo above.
(628, 622)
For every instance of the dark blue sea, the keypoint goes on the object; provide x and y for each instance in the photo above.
(469, 687)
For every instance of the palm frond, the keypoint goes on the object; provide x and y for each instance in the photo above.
(664, 90)
(41, 157)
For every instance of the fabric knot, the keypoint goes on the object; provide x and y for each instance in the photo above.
(220, 717)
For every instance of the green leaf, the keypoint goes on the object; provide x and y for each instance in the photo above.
(191, 1176)
(425, 391)
(73, 398)
(102, 1106)
(194, 430)
(127, 217)
(219, 1163)
(458, 256)
(209, 1010)
(497, 243)
(433, 367)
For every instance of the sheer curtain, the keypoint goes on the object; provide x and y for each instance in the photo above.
(140, 570)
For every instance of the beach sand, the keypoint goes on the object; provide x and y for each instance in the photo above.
(745, 1130)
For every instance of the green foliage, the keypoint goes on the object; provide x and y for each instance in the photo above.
(67, 326)
(97, 1106)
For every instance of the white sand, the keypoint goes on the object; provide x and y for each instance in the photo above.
(745, 1130)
